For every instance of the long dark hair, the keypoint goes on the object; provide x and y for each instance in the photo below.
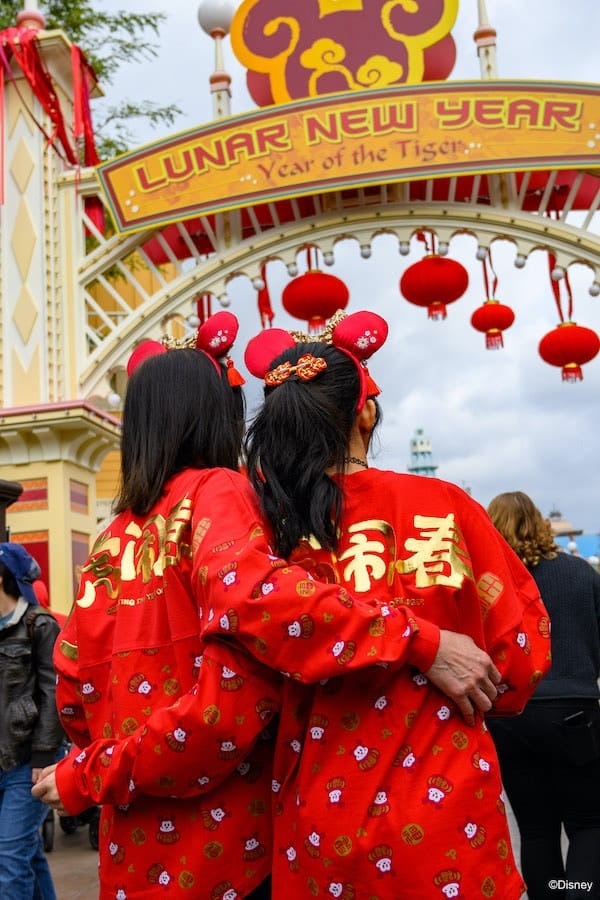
(179, 413)
(302, 429)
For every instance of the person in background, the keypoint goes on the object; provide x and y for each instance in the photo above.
(41, 592)
(30, 732)
(550, 754)
(154, 685)
(381, 790)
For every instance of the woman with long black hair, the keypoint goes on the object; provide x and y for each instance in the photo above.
(381, 789)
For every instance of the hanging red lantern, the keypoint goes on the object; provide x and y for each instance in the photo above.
(315, 296)
(492, 318)
(569, 346)
(434, 282)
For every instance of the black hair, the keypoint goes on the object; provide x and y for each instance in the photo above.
(179, 413)
(9, 582)
(302, 429)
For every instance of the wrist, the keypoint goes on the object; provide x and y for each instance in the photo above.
(424, 645)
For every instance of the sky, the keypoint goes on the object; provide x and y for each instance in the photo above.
(498, 420)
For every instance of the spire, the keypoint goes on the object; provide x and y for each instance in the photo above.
(482, 14)
(485, 38)
(214, 18)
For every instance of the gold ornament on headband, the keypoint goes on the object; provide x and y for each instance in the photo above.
(185, 343)
(325, 337)
(357, 335)
(308, 367)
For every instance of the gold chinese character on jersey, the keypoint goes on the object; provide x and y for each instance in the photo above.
(367, 558)
(142, 552)
(438, 553)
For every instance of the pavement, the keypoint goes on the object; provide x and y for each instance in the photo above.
(74, 864)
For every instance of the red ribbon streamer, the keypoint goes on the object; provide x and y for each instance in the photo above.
(23, 45)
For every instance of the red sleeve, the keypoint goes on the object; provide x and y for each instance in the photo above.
(182, 750)
(517, 631)
(286, 619)
(515, 622)
(68, 690)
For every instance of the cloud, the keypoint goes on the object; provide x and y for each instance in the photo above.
(499, 420)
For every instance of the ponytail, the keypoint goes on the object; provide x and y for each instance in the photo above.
(303, 429)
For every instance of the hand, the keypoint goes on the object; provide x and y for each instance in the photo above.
(465, 673)
(38, 774)
(45, 790)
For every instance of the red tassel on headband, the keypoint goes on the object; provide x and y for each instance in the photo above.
(216, 337)
(235, 378)
(373, 389)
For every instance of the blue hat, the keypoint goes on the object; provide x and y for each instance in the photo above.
(23, 567)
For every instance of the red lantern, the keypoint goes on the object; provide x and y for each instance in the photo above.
(493, 318)
(569, 346)
(434, 282)
(315, 296)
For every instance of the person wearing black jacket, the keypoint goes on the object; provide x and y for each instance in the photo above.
(550, 754)
(30, 732)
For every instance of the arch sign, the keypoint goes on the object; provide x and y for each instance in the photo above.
(352, 140)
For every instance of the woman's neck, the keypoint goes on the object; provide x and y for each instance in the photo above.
(355, 464)
(355, 458)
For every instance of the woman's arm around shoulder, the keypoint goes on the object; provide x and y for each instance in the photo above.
(294, 624)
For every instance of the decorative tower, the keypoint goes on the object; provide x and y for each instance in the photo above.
(501, 188)
(214, 17)
(485, 38)
(52, 440)
(421, 458)
(561, 527)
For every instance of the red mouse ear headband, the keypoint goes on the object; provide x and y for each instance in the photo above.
(358, 336)
(214, 338)
(264, 348)
(143, 352)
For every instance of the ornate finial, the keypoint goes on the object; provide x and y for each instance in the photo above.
(485, 38)
(482, 14)
(31, 17)
(214, 17)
